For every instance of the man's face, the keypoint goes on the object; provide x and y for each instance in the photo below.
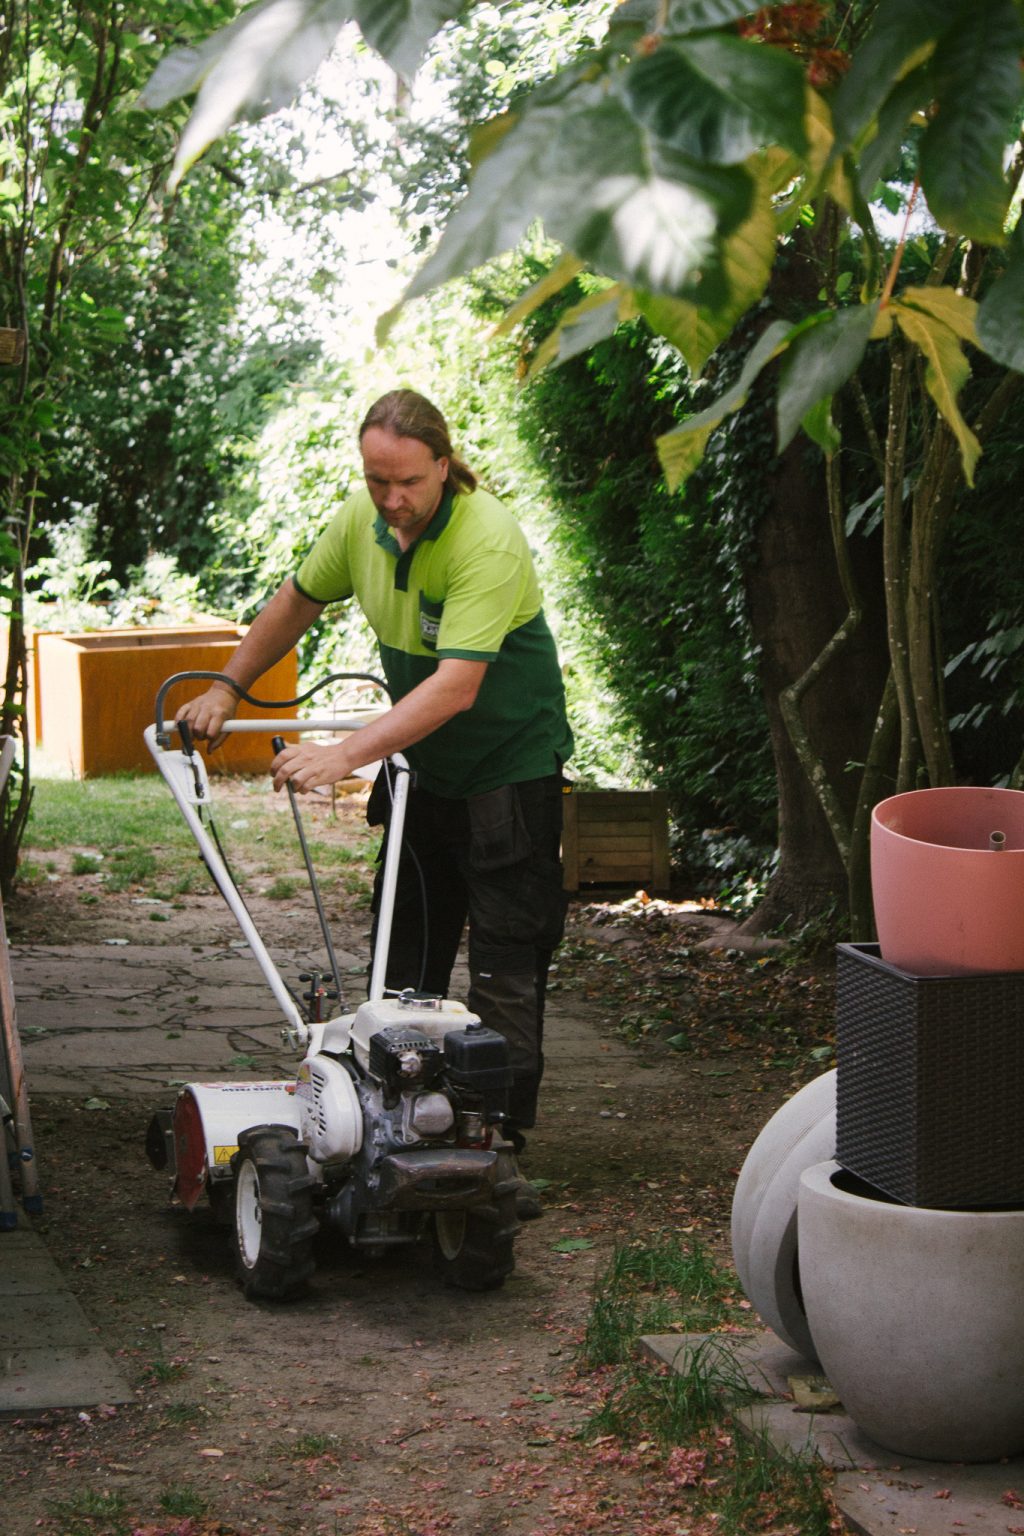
(404, 479)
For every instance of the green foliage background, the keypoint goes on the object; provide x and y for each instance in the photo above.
(188, 452)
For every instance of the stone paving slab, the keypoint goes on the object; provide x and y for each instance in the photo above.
(34, 1380)
(878, 1493)
(49, 1357)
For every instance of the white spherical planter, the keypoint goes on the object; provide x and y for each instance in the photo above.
(916, 1315)
(764, 1208)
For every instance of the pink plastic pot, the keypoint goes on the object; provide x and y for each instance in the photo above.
(947, 903)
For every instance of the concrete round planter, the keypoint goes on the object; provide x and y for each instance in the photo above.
(947, 878)
(764, 1208)
(916, 1317)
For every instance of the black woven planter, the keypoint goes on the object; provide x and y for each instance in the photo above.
(930, 1083)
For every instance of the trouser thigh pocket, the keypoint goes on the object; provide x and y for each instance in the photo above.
(498, 834)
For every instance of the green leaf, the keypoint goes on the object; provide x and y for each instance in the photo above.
(681, 450)
(561, 274)
(819, 362)
(1001, 313)
(700, 15)
(253, 66)
(745, 262)
(500, 205)
(820, 428)
(719, 98)
(880, 157)
(977, 88)
(946, 374)
(572, 1245)
(401, 29)
(636, 210)
(582, 326)
(954, 309)
(902, 35)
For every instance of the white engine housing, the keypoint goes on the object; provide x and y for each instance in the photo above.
(434, 1019)
(330, 1115)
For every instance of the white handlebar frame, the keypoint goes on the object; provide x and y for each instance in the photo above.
(186, 777)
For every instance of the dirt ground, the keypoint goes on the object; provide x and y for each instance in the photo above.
(384, 1403)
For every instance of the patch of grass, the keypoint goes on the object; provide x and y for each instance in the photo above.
(305, 1447)
(165, 1370)
(129, 866)
(185, 1415)
(337, 855)
(283, 888)
(669, 1406)
(136, 836)
(186, 1502)
(119, 811)
(660, 1287)
(185, 883)
(91, 1512)
(770, 1487)
(86, 863)
(655, 1286)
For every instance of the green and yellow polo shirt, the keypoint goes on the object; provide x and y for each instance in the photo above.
(465, 588)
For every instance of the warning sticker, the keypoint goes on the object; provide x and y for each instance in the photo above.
(224, 1154)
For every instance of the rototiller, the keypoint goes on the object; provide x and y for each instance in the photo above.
(390, 1129)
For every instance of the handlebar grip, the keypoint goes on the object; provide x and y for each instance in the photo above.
(278, 744)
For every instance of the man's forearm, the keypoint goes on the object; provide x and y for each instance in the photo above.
(274, 631)
(435, 701)
(438, 699)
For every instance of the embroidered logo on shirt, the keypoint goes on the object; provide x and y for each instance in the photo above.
(430, 622)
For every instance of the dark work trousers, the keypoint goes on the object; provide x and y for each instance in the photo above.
(494, 858)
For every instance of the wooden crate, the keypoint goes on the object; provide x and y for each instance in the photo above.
(616, 837)
(95, 694)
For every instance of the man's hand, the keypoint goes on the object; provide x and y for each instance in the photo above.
(207, 713)
(309, 766)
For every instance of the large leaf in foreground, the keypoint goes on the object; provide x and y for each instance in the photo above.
(701, 15)
(818, 363)
(976, 69)
(583, 325)
(1001, 314)
(254, 65)
(681, 450)
(946, 374)
(601, 185)
(902, 35)
(401, 29)
(719, 98)
(745, 259)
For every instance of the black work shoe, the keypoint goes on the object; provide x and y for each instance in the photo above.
(528, 1204)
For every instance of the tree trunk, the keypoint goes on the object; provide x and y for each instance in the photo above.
(796, 604)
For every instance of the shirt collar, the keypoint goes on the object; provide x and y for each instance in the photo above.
(434, 529)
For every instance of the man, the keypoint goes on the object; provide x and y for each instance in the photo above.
(444, 575)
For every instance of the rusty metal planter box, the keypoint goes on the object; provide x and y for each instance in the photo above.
(930, 1082)
(95, 694)
(616, 837)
